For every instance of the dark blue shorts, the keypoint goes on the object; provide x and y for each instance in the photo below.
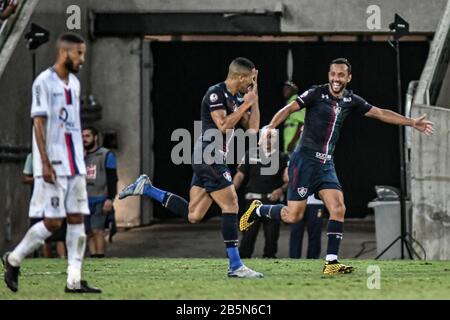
(212, 177)
(308, 174)
(97, 219)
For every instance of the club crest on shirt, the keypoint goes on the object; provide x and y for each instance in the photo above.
(54, 202)
(302, 191)
(337, 110)
(227, 176)
(231, 105)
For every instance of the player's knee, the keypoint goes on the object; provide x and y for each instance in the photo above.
(75, 218)
(53, 225)
(293, 218)
(232, 207)
(293, 215)
(194, 218)
(337, 211)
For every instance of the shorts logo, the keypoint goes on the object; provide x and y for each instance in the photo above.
(213, 97)
(227, 176)
(302, 191)
(55, 202)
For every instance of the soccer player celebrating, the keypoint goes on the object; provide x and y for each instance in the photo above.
(58, 165)
(311, 167)
(223, 106)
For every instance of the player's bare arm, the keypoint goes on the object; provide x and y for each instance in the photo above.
(224, 122)
(47, 170)
(388, 116)
(278, 118)
(294, 140)
(282, 114)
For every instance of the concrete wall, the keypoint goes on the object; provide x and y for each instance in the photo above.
(117, 84)
(443, 99)
(431, 184)
(303, 15)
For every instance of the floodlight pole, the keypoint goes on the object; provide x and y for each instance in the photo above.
(402, 194)
(401, 140)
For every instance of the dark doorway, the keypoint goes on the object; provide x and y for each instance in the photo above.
(367, 153)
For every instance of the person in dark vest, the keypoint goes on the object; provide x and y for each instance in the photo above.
(101, 178)
(269, 189)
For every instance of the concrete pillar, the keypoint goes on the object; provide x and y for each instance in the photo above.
(430, 174)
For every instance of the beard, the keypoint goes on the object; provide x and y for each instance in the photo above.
(89, 146)
(339, 90)
(246, 89)
(68, 64)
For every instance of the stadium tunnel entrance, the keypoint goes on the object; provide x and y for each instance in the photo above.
(367, 153)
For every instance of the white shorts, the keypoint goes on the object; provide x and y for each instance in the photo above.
(67, 195)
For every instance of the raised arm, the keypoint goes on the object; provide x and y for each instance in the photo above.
(282, 114)
(224, 122)
(388, 116)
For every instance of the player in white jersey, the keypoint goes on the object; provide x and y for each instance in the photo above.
(58, 165)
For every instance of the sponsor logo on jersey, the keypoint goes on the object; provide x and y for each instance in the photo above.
(302, 191)
(63, 114)
(349, 99)
(323, 156)
(325, 96)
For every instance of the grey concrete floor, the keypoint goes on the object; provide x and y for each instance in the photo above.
(204, 240)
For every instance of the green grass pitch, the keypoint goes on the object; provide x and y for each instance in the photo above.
(204, 279)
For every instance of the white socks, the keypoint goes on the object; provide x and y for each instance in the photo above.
(34, 238)
(76, 245)
(331, 257)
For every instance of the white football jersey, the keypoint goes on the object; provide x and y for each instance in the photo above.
(60, 104)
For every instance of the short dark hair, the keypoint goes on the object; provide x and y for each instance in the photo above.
(343, 61)
(71, 37)
(244, 62)
(92, 129)
(240, 65)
